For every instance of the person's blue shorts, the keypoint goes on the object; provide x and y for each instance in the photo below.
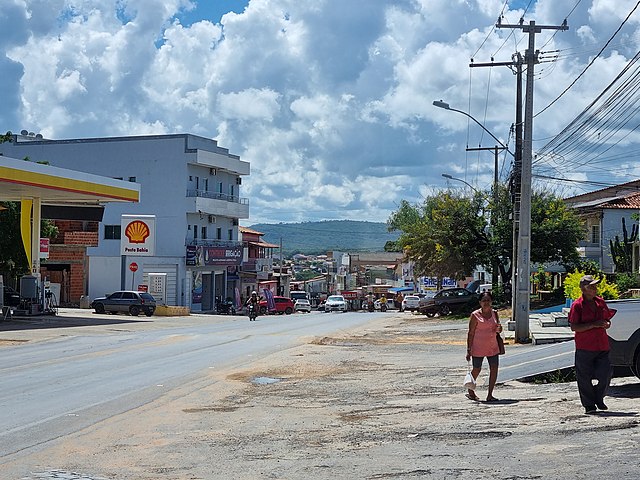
(493, 361)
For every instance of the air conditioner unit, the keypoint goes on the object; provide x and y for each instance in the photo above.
(213, 171)
(235, 222)
(212, 219)
(238, 181)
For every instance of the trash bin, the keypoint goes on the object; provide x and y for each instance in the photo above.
(85, 302)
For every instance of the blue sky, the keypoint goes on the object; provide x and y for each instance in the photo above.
(330, 101)
(211, 10)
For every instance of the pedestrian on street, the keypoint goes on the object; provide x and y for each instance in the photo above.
(590, 317)
(484, 324)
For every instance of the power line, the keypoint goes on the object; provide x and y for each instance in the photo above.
(591, 62)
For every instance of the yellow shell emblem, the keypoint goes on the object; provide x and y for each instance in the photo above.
(137, 231)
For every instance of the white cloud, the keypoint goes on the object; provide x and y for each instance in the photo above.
(330, 100)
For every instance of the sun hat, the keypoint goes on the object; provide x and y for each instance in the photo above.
(588, 280)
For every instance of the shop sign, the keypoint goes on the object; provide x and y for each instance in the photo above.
(138, 235)
(199, 256)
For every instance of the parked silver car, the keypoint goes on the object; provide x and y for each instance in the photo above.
(126, 301)
(411, 303)
(624, 337)
(302, 305)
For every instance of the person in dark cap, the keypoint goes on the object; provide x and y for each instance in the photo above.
(590, 318)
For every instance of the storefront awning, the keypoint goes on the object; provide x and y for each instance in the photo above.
(401, 289)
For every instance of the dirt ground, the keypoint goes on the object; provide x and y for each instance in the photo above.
(383, 402)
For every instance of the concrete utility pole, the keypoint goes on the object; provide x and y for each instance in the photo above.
(521, 311)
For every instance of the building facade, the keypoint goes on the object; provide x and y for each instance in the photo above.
(192, 187)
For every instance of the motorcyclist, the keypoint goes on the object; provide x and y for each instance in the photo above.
(383, 303)
(252, 302)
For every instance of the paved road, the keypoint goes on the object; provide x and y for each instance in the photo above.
(53, 388)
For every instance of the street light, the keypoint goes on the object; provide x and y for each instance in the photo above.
(445, 105)
(450, 177)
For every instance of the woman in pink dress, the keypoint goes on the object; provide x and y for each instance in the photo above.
(481, 342)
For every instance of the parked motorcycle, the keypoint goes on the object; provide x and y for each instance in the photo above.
(225, 308)
(383, 307)
(252, 311)
(370, 306)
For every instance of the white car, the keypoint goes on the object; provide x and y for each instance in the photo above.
(411, 303)
(335, 303)
(302, 305)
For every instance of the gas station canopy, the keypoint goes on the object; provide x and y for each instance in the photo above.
(20, 179)
(35, 185)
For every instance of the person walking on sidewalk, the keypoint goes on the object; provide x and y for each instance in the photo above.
(481, 342)
(590, 317)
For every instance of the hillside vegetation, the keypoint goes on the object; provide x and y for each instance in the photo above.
(314, 238)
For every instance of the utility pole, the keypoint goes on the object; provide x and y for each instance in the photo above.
(521, 311)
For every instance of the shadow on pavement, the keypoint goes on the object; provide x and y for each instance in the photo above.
(42, 322)
(631, 390)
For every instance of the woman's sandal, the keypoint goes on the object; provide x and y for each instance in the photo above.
(472, 397)
(492, 399)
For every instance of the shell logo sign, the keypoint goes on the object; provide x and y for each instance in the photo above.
(137, 231)
(138, 235)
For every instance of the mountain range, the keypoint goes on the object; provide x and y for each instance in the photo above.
(314, 238)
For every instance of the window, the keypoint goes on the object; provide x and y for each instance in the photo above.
(132, 179)
(206, 184)
(231, 189)
(204, 233)
(197, 183)
(220, 187)
(195, 232)
(595, 234)
(231, 234)
(219, 233)
(112, 232)
(191, 178)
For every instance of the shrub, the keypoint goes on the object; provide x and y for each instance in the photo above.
(572, 290)
(625, 281)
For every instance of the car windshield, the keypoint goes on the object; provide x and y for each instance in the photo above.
(335, 298)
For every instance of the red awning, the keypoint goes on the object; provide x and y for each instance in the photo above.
(264, 245)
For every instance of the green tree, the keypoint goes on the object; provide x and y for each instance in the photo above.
(449, 235)
(437, 234)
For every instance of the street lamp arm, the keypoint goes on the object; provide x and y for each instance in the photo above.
(445, 105)
(451, 177)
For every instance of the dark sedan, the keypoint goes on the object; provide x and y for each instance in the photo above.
(449, 300)
(126, 302)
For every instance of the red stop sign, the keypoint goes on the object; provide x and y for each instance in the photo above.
(133, 266)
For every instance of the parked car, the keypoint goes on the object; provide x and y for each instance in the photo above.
(411, 303)
(126, 301)
(624, 337)
(302, 305)
(283, 305)
(335, 303)
(11, 297)
(449, 300)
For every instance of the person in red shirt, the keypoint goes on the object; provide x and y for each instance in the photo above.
(590, 318)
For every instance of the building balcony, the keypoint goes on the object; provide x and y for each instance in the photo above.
(258, 265)
(219, 204)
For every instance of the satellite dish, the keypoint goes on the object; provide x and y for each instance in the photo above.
(31, 134)
(23, 132)
(39, 136)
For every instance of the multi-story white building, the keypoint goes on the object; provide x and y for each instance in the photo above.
(189, 183)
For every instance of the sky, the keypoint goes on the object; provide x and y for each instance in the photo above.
(329, 100)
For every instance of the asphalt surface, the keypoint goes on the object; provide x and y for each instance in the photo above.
(377, 400)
